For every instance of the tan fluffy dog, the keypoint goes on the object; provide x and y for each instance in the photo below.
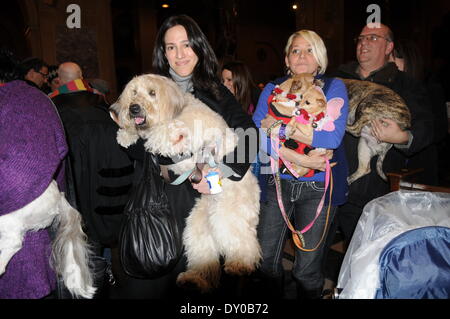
(174, 123)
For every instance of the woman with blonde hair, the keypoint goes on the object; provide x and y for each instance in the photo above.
(300, 197)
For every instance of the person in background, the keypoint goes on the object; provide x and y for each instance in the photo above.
(34, 72)
(102, 172)
(52, 78)
(374, 46)
(305, 52)
(408, 58)
(32, 148)
(237, 78)
(102, 86)
(52, 82)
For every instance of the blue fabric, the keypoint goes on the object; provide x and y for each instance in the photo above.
(331, 140)
(416, 265)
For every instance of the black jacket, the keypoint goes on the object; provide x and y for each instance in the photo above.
(371, 186)
(102, 170)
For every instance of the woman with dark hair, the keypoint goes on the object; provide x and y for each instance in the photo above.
(237, 78)
(182, 53)
(203, 67)
(408, 59)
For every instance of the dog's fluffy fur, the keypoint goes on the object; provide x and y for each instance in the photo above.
(369, 101)
(70, 253)
(174, 123)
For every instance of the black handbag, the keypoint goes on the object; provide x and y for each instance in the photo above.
(150, 240)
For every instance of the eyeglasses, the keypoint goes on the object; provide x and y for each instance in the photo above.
(370, 38)
(45, 75)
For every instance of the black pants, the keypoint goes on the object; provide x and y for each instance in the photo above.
(347, 218)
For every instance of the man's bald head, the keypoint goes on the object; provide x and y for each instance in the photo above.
(374, 46)
(380, 29)
(69, 71)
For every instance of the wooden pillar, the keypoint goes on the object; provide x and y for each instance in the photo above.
(147, 33)
(91, 46)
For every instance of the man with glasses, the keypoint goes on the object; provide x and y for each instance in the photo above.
(35, 72)
(373, 48)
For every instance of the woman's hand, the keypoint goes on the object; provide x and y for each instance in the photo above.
(267, 122)
(203, 186)
(321, 151)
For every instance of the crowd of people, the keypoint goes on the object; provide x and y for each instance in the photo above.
(98, 175)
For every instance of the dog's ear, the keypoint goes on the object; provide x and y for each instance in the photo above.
(319, 82)
(296, 86)
(114, 112)
(321, 103)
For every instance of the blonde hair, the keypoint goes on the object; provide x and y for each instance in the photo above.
(317, 44)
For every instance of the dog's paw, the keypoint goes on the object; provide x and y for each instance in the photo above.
(125, 138)
(179, 137)
(352, 178)
(238, 268)
(192, 280)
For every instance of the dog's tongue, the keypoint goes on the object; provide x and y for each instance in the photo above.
(139, 120)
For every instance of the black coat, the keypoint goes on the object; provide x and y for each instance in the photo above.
(102, 171)
(371, 186)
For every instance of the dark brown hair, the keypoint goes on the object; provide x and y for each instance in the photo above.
(408, 51)
(204, 76)
(242, 82)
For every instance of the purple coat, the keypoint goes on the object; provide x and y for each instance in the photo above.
(32, 148)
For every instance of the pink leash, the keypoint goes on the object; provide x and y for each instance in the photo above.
(298, 235)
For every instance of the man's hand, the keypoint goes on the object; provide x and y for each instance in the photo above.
(388, 131)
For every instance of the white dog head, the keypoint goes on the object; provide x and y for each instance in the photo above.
(146, 100)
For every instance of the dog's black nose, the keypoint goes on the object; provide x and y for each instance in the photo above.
(135, 109)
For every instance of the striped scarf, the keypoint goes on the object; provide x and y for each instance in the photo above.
(74, 86)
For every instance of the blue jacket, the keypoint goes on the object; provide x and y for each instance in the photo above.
(330, 140)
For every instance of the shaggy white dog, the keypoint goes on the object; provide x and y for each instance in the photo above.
(70, 253)
(174, 123)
